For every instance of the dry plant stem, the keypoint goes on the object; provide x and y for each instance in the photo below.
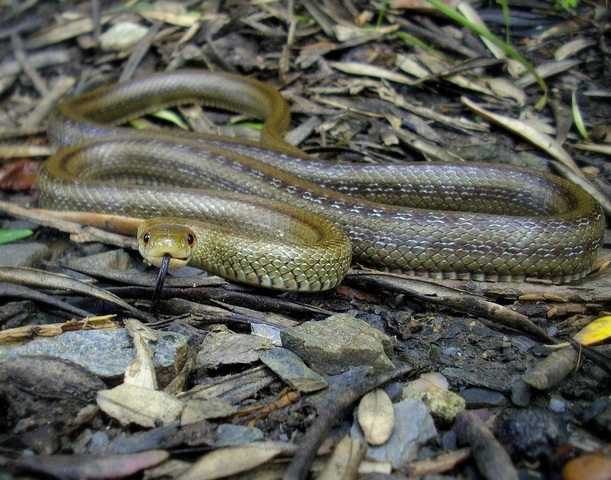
(283, 63)
(552, 370)
(8, 152)
(48, 102)
(37, 60)
(22, 57)
(146, 279)
(24, 293)
(62, 221)
(22, 132)
(458, 300)
(139, 53)
(42, 279)
(601, 360)
(331, 410)
(96, 19)
(590, 291)
(23, 334)
(567, 173)
(63, 32)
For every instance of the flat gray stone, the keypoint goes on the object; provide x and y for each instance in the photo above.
(107, 353)
(290, 368)
(229, 348)
(341, 341)
(28, 254)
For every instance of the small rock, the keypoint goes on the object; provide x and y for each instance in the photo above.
(229, 348)
(290, 368)
(482, 398)
(231, 435)
(557, 405)
(599, 413)
(271, 332)
(444, 405)
(339, 342)
(42, 390)
(496, 380)
(521, 393)
(107, 353)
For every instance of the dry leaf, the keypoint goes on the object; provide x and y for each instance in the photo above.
(427, 382)
(366, 70)
(122, 36)
(229, 461)
(144, 407)
(345, 459)
(597, 331)
(141, 370)
(545, 142)
(19, 175)
(376, 417)
(420, 5)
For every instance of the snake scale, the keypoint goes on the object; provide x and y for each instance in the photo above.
(275, 217)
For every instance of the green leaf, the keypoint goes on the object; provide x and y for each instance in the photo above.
(577, 118)
(244, 123)
(172, 117)
(13, 234)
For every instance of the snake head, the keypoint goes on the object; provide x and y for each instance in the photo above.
(163, 236)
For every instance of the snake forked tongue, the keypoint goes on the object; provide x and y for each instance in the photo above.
(163, 270)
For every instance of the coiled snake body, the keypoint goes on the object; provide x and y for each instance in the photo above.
(279, 219)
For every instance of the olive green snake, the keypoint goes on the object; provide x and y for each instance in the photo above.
(264, 213)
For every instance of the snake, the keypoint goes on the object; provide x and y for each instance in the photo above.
(264, 213)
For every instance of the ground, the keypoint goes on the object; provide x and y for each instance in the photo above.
(372, 82)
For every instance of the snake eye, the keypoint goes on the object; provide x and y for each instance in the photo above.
(146, 237)
(190, 239)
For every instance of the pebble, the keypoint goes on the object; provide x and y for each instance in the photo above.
(557, 405)
(339, 342)
(444, 405)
